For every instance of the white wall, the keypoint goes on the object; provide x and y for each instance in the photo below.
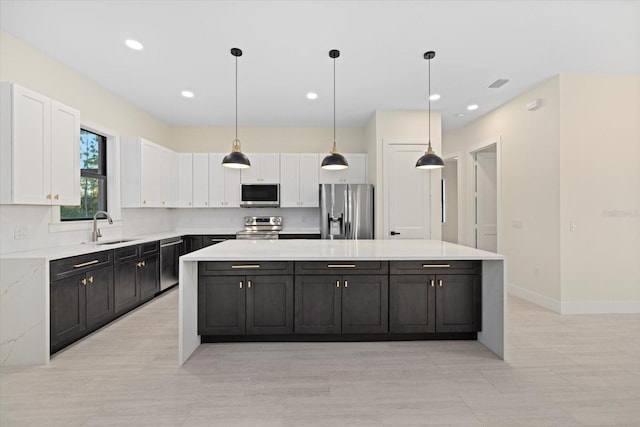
(600, 191)
(549, 180)
(450, 226)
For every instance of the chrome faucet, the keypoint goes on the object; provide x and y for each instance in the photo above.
(96, 231)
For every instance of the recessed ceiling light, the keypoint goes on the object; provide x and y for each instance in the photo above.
(460, 115)
(472, 107)
(312, 95)
(434, 97)
(187, 93)
(133, 44)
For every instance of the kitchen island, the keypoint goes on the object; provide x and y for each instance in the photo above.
(391, 257)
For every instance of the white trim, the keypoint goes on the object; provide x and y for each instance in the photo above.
(534, 297)
(113, 186)
(459, 178)
(601, 307)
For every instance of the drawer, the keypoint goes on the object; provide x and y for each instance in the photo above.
(242, 268)
(126, 254)
(342, 267)
(62, 268)
(434, 267)
(149, 248)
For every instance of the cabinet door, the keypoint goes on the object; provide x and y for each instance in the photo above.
(185, 180)
(148, 277)
(270, 168)
(365, 304)
(357, 171)
(31, 148)
(412, 304)
(150, 174)
(291, 181)
(308, 179)
(126, 290)
(221, 305)
(216, 180)
(200, 180)
(232, 188)
(317, 304)
(169, 179)
(458, 303)
(99, 296)
(269, 307)
(68, 313)
(65, 155)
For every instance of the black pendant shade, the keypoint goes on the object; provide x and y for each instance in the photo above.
(236, 159)
(335, 160)
(429, 159)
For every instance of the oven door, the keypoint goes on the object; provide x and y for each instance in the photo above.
(260, 195)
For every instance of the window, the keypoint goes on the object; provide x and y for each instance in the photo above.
(93, 178)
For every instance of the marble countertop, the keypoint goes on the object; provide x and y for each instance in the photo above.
(64, 251)
(326, 250)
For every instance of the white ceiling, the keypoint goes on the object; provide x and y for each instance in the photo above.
(286, 46)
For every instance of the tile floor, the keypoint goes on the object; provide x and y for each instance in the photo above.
(572, 370)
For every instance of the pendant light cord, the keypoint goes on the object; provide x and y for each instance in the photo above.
(236, 97)
(334, 100)
(429, 102)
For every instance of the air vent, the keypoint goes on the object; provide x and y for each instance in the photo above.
(498, 83)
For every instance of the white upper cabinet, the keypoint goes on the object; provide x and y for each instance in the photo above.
(39, 149)
(148, 174)
(265, 169)
(200, 180)
(185, 180)
(356, 173)
(299, 180)
(224, 183)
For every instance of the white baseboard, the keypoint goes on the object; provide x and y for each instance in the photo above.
(575, 307)
(534, 297)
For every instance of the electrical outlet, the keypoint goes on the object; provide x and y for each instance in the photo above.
(20, 233)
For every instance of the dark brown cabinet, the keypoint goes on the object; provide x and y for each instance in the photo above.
(233, 302)
(193, 243)
(137, 275)
(330, 303)
(449, 301)
(81, 297)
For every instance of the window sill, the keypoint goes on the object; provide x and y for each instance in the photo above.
(58, 227)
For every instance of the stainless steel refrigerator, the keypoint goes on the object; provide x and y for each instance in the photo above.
(346, 211)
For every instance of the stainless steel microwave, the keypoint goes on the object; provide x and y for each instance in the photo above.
(260, 196)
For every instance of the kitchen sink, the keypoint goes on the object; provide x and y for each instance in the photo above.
(110, 242)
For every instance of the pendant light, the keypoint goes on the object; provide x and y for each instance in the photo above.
(335, 160)
(429, 160)
(236, 159)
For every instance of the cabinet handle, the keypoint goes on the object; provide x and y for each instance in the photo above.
(440, 282)
(57, 197)
(84, 282)
(248, 283)
(433, 283)
(337, 283)
(144, 202)
(436, 265)
(341, 266)
(48, 196)
(84, 264)
(142, 264)
(90, 279)
(346, 283)
(246, 266)
(240, 285)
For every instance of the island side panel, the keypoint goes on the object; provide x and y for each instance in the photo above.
(24, 311)
(493, 307)
(188, 339)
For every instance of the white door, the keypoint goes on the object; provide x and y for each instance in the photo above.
(290, 186)
(65, 155)
(201, 180)
(407, 193)
(308, 179)
(486, 201)
(150, 174)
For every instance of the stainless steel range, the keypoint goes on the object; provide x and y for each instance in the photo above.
(260, 227)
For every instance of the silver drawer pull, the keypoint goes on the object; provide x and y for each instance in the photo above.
(84, 264)
(341, 266)
(436, 265)
(246, 266)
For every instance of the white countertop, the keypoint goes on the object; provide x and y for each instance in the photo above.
(310, 250)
